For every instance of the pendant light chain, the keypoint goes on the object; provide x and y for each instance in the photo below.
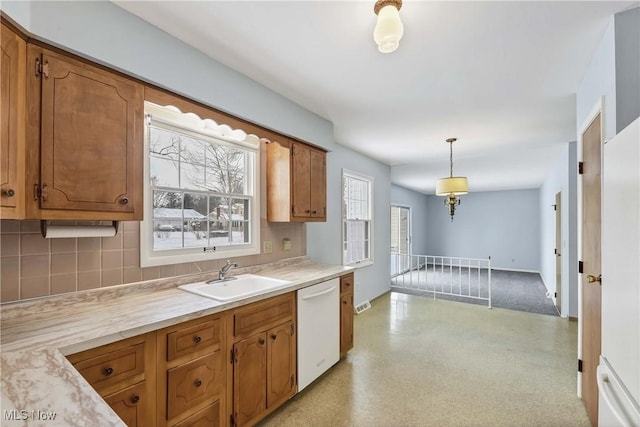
(451, 158)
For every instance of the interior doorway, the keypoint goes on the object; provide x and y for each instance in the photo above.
(591, 264)
(558, 250)
(400, 239)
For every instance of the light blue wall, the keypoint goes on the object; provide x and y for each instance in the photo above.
(599, 80)
(105, 33)
(502, 224)
(627, 39)
(401, 196)
(324, 239)
(561, 178)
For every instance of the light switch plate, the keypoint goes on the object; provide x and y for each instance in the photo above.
(286, 244)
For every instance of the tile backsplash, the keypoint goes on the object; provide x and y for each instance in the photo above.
(32, 266)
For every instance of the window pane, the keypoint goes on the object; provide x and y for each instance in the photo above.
(240, 221)
(219, 221)
(167, 235)
(163, 143)
(163, 172)
(192, 176)
(191, 150)
(226, 169)
(195, 220)
(167, 204)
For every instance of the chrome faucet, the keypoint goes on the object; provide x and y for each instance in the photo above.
(225, 269)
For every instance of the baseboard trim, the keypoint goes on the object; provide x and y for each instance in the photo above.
(518, 270)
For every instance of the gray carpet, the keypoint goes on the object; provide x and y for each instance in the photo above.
(513, 290)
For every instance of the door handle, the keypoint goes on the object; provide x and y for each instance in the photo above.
(317, 294)
(591, 278)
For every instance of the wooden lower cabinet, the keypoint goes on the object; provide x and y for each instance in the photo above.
(191, 373)
(263, 364)
(346, 314)
(123, 373)
(230, 368)
(281, 364)
(249, 379)
(132, 404)
(207, 417)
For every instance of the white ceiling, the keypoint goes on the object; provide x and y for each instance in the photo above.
(499, 76)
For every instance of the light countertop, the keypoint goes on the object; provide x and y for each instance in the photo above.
(37, 380)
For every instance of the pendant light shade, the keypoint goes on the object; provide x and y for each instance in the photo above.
(389, 28)
(454, 185)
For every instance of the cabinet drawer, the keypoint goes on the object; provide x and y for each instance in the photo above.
(193, 383)
(112, 367)
(131, 404)
(346, 283)
(191, 339)
(207, 417)
(263, 315)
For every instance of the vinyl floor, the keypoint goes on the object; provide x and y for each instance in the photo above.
(424, 362)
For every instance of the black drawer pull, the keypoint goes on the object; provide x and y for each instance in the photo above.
(107, 371)
(198, 383)
(135, 399)
(197, 339)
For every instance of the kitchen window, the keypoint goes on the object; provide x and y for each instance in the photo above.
(201, 189)
(357, 219)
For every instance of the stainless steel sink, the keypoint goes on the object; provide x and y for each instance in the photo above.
(233, 288)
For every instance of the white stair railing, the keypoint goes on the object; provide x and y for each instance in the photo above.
(442, 275)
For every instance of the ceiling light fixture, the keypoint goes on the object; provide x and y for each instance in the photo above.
(453, 186)
(389, 28)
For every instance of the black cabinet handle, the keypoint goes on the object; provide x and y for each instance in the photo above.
(124, 201)
(9, 193)
(135, 399)
(261, 341)
(274, 336)
(198, 383)
(107, 371)
(197, 339)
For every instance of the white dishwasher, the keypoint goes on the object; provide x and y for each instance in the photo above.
(318, 330)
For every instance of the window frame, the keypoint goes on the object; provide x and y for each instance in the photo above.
(349, 174)
(171, 118)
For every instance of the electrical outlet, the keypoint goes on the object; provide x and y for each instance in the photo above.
(267, 246)
(286, 244)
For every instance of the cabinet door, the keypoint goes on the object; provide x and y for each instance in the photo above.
(12, 99)
(207, 417)
(281, 363)
(301, 180)
(91, 138)
(132, 404)
(318, 169)
(250, 378)
(346, 323)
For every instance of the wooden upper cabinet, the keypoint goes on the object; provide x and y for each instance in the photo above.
(12, 126)
(90, 137)
(296, 182)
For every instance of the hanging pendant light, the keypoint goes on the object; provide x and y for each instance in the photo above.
(453, 186)
(389, 28)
